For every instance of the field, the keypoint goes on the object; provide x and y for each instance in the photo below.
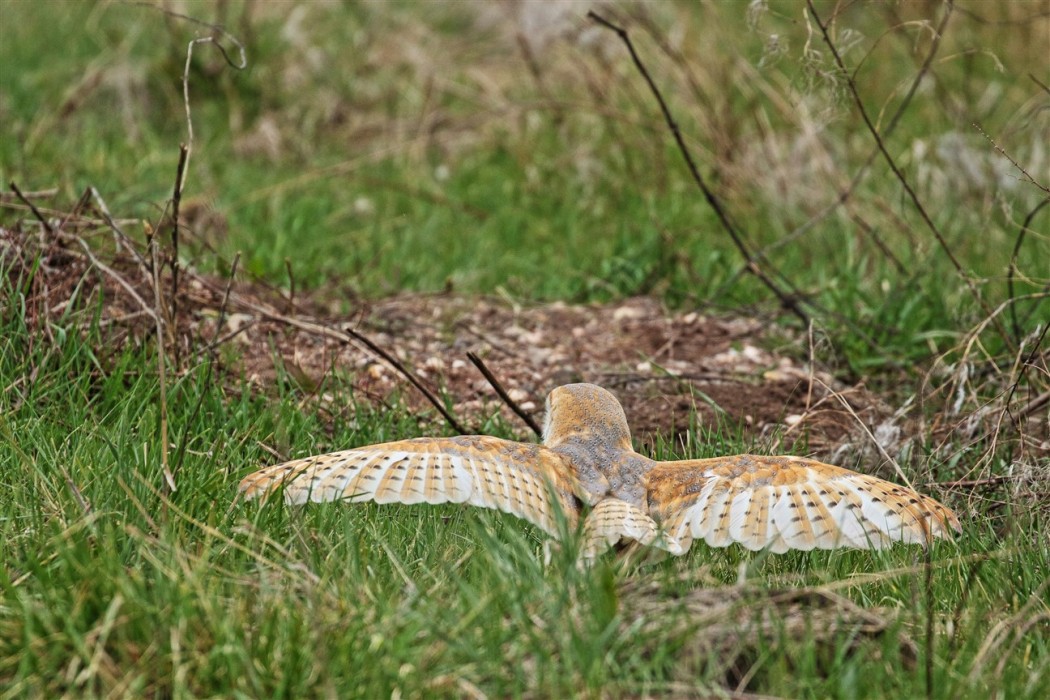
(856, 270)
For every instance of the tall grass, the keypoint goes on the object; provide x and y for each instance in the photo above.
(511, 150)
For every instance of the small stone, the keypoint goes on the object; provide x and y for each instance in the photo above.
(517, 395)
(625, 313)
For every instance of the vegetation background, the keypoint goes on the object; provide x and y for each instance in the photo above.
(513, 150)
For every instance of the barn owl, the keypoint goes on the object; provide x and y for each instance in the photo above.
(586, 470)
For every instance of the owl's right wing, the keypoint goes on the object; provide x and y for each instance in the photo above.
(529, 481)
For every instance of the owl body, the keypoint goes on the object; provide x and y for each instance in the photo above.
(587, 473)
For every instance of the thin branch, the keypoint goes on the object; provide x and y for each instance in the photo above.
(862, 171)
(162, 361)
(176, 200)
(495, 383)
(119, 237)
(349, 335)
(786, 300)
(32, 208)
(1040, 83)
(217, 33)
(972, 483)
(1024, 365)
(291, 285)
(935, 44)
(396, 364)
(114, 274)
(900, 175)
(1013, 265)
(1013, 162)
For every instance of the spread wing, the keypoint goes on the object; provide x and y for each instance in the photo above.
(789, 503)
(529, 481)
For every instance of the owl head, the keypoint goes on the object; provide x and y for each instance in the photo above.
(585, 413)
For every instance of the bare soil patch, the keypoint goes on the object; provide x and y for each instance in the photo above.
(670, 369)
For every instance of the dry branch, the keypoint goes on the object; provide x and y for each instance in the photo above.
(32, 207)
(852, 85)
(495, 383)
(787, 301)
(396, 364)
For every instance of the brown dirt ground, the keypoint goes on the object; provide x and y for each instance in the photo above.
(666, 367)
(663, 366)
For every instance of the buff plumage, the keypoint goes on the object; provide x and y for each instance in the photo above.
(587, 471)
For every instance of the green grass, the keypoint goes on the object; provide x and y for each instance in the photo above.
(416, 152)
(118, 589)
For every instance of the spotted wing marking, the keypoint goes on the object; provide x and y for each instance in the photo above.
(783, 503)
(613, 520)
(529, 481)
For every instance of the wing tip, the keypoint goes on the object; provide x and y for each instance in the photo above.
(261, 484)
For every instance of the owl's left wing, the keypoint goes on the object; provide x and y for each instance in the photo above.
(784, 503)
(529, 481)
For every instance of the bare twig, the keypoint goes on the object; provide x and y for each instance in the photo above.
(162, 362)
(885, 455)
(1013, 266)
(495, 383)
(114, 274)
(537, 75)
(935, 44)
(930, 599)
(410, 376)
(900, 175)
(32, 207)
(291, 284)
(1035, 404)
(348, 335)
(241, 65)
(1013, 162)
(33, 194)
(119, 237)
(846, 194)
(786, 300)
(217, 33)
(1028, 362)
(973, 483)
(873, 234)
(1037, 81)
(176, 200)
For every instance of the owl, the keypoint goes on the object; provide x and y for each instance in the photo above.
(586, 475)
